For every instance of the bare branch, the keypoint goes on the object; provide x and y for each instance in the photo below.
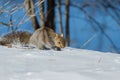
(42, 17)
(31, 12)
(60, 17)
(67, 23)
(23, 20)
(5, 24)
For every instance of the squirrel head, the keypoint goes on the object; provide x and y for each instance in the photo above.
(59, 41)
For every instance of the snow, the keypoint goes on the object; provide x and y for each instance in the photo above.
(68, 64)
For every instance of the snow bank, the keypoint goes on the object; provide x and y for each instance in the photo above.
(68, 64)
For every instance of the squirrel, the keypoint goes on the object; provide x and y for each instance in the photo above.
(46, 38)
(42, 38)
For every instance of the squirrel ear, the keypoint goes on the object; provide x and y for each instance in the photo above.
(61, 35)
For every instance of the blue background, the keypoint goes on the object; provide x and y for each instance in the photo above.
(104, 37)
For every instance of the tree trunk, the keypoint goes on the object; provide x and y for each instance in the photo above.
(67, 42)
(31, 12)
(42, 17)
(60, 17)
(50, 14)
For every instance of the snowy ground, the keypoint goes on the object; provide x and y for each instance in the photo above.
(68, 64)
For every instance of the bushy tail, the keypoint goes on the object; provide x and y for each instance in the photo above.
(3, 43)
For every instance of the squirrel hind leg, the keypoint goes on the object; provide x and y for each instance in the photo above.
(42, 47)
